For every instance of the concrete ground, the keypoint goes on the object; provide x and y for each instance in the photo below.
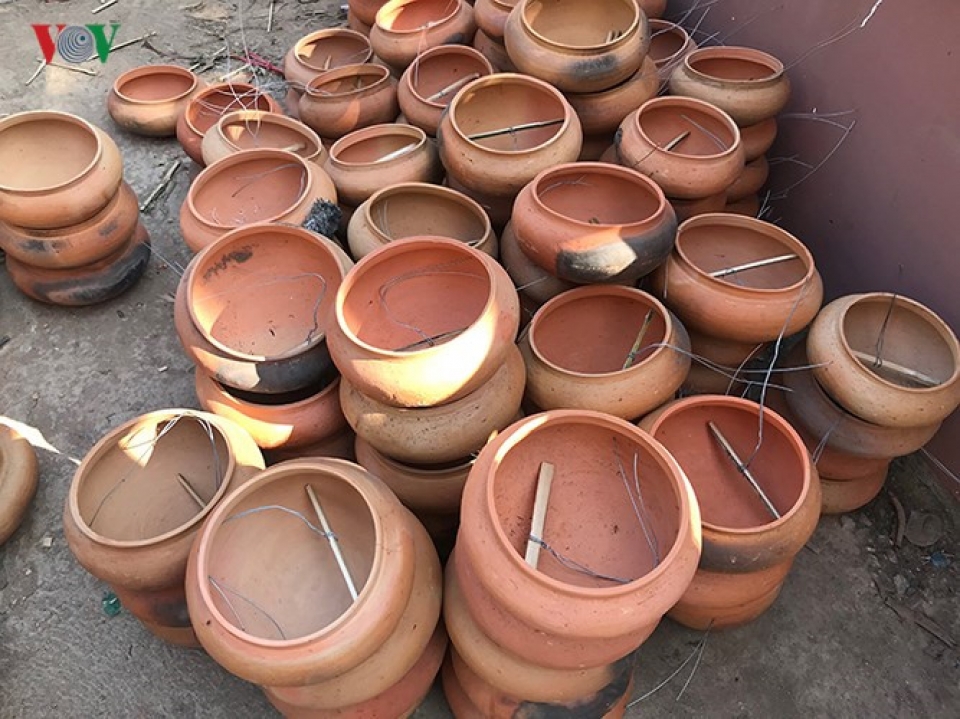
(863, 628)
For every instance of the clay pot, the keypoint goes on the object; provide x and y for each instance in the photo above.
(718, 369)
(255, 129)
(914, 343)
(90, 284)
(301, 634)
(360, 162)
(491, 16)
(749, 85)
(501, 165)
(602, 112)
(423, 321)
(749, 206)
(59, 170)
(498, 209)
(593, 222)
(741, 539)
(410, 209)
(130, 522)
(685, 209)
(348, 98)
(842, 496)
(405, 28)
(494, 51)
(433, 435)
(669, 44)
(532, 281)
(575, 46)
(77, 245)
(756, 305)
(251, 186)
(322, 51)
(555, 616)
(147, 100)
(338, 446)
(18, 480)
(365, 11)
(210, 104)
(578, 343)
(653, 8)
(751, 179)
(432, 80)
(704, 162)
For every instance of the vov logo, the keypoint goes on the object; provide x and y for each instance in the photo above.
(76, 43)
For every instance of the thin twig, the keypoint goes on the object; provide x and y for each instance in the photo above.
(676, 141)
(191, 491)
(872, 362)
(901, 520)
(334, 543)
(124, 44)
(396, 153)
(430, 341)
(104, 6)
(544, 484)
(742, 468)
(753, 265)
(635, 349)
(453, 86)
(515, 128)
(36, 73)
(270, 16)
(158, 190)
(74, 68)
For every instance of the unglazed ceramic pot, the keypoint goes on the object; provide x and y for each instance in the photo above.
(405, 28)
(749, 206)
(338, 446)
(147, 100)
(669, 44)
(18, 480)
(494, 51)
(652, 8)
(849, 495)
(749, 181)
(717, 364)
(322, 51)
(343, 100)
(254, 129)
(602, 112)
(533, 282)
(491, 16)
(366, 10)
(758, 138)
(686, 209)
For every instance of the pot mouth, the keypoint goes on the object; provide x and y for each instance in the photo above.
(439, 54)
(869, 320)
(367, 75)
(348, 150)
(557, 27)
(155, 72)
(375, 209)
(63, 145)
(237, 96)
(362, 54)
(691, 106)
(132, 447)
(667, 41)
(233, 124)
(749, 66)
(404, 17)
(751, 225)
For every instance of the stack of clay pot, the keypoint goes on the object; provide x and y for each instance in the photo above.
(339, 101)
(317, 53)
(578, 532)
(737, 283)
(423, 336)
(883, 372)
(314, 582)
(138, 500)
(491, 19)
(252, 311)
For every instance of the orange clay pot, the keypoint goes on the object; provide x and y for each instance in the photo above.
(669, 44)
(748, 207)
(147, 100)
(405, 28)
(366, 10)
(704, 378)
(498, 209)
(18, 480)
(750, 181)
(348, 98)
(254, 129)
(849, 495)
(652, 8)
(491, 16)
(322, 51)
(602, 112)
(757, 139)
(338, 446)
(686, 209)
(532, 281)
(494, 51)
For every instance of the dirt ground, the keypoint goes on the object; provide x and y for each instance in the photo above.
(863, 627)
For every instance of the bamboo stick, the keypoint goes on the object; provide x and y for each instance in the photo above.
(753, 265)
(453, 86)
(743, 469)
(191, 491)
(515, 128)
(873, 363)
(544, 484)
(632, 355)
(334, 544)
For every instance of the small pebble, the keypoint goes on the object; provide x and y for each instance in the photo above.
(901, 584)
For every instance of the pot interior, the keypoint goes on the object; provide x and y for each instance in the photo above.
(372, 147)
(260, 130)
(413, 15)
(726, 498)
(444, 67)
(575, 23)
(157, 85)
(904, 335)
(265, 294)
(132, 492)
(735, 66)
(505, 104)
(45, 152)
(408, 212)
(347, 83)
(594, 520)
(258, 189)
(333, 50)
(272, 571)
(416, 298)
(208, 107)
(716, 245)
(594, 333)
(666, 40)
(702, 133)
(597, 197)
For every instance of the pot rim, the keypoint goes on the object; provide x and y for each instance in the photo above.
(21, 118)
(374, 131)
(690, 102)
(275, 474)
(269, 118)
(622, 39)
(514, 79)
(748, 223)
(669, 28)
(442, 50)
(601, 290)
(735, 52)
(110, 440)
(224, 88)
(394, 5)
(311, 89)
(155, 71)
(324, 34)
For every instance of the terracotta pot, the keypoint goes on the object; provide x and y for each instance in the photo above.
(405, 28)
(90, 284)
(498, 209)
(748, 207)
(291, 103)
(301, 635)
(249, 187)
(398, 299)
(575, 46)
(719, 368)
(147, 100)
(431, 435)
(361, 162)
(532, 281)
(130, 523)
(669, 44)
(593, 222)
(77, 245)
(491, 16)
(653, 8)
(322, 51)
(74, 169)
(749, 85)
(338, 446)
(749, 182)
(348, 98)
(410, 209)
(210, 104)
(18, 480)
(357, 25)
(758, 138)
(501, 165)
(555, 616)
(432, 80)
(366, 10)
(255, 129)
(602, 112)
(756, 305)
(704, 162)
(459, 703)
(685, 209)
(578, 343)
(845, 338)
(494, 51)
(842, 496)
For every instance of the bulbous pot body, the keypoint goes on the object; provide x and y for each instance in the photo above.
(532, 281)
(491, 16)
(366, 10)
(849, 495)
(749, 181)
(494, 51)
(18, 479)
(147, 100)
(669, 44)
(602, 112)
(405, 28)
(343, 100)
(758, 138)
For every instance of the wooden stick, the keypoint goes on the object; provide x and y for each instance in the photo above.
(326, 63)
(270, 16)
(676, 141)
(36, 73)
(544, 483)
(872, 363)
(191, 491)
(753, 265)
(293, 148)
(104, 6)
(454, 86)
(640, 335)
(167, 177)
(396, 153)
(334, 544)
(74, 68)
(515, 128)
(743, 469)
